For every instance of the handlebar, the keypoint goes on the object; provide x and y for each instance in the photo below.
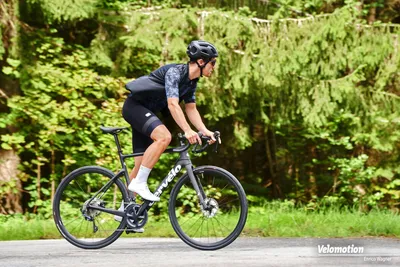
(217, 136)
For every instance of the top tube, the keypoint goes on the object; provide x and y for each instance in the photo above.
(168, 150)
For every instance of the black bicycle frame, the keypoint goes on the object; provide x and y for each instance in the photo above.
(183, 162)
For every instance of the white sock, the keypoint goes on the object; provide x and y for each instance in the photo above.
(142, 175)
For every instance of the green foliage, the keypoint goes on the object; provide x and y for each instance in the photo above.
(299, 100)
(59, 115)
(12, 69)
(65, 10)
(354, 177)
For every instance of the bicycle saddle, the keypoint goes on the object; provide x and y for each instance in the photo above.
(112, 130)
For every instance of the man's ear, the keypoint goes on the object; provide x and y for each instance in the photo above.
(201, 62)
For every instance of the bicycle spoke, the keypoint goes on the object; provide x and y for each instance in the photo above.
(78, 226)
(195, 222)
(194, 234)
(220, 224)
(224, 203)
(187, 220)
(71, 221)
(212, 222)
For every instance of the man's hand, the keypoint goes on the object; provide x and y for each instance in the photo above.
(193, 137)
(211, 134)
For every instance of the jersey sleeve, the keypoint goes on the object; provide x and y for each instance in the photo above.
(172, 78)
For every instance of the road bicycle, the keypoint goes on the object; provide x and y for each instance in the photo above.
(207, 205)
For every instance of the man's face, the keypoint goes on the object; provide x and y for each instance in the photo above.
(208, 69)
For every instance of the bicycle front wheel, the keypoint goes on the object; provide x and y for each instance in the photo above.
(84, 227)
(216, 225)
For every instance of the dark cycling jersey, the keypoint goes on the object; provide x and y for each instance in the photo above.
(169, 81)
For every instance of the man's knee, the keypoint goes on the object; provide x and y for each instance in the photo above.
(166, 138)
(162, 135)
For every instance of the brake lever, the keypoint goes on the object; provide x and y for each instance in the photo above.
(216, 147)
(217, 135)
(203, 148)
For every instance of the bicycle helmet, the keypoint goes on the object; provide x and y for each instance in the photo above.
(201, 49)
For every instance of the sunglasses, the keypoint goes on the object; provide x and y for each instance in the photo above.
(213, 62)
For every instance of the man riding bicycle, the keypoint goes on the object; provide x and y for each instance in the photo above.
(162, 91)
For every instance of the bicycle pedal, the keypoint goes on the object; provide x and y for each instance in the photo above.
(132, 231)
(129, 231)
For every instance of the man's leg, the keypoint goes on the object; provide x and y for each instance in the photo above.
(161, 137)
(135, 170)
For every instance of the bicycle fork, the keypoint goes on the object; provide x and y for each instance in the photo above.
(187, 163)
(197, 186)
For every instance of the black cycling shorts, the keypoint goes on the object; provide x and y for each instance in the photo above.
(143, 121)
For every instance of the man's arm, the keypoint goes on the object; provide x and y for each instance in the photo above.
(195, 118)
(179, 117)
(177, 114)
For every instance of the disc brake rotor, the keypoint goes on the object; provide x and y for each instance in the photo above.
(211, 208)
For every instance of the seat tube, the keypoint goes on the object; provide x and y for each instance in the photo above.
(121, 158)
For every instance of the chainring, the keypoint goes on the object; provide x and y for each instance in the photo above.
(133, 219)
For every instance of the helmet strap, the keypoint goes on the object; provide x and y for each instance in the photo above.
(201, 67)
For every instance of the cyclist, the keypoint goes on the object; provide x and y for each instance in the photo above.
(162, 91)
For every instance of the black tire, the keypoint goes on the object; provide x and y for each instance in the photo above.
(230, 204)
(77, 188)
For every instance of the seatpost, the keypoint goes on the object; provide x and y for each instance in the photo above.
(119, 148)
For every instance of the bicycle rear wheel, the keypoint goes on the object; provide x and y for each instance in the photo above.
(89, 229)
(221, 222)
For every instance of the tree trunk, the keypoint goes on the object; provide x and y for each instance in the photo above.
(38, 183)
(53, 173)
(372, 15)
(276, 191)
(311, 176)
(9, 38)
(10, 185)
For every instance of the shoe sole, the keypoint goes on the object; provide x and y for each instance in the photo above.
(156, 200)
(130, 230)
(136, 231)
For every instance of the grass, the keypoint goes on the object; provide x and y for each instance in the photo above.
(271, 220)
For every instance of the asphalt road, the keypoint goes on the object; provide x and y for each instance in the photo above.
(243, 252)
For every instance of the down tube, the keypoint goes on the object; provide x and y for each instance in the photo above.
(164, 184)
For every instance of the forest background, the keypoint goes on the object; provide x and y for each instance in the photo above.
(306, 94)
